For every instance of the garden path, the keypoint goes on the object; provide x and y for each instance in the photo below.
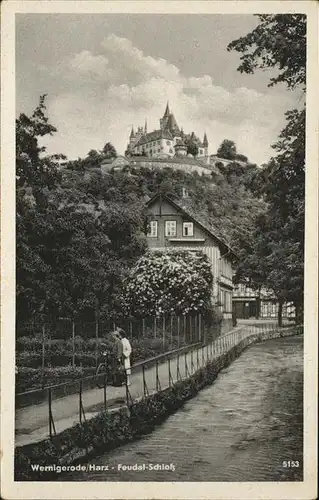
(32, 422)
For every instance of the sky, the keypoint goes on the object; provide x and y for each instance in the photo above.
(104, 73)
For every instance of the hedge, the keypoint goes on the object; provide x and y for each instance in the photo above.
(59, 354)
(31, 378)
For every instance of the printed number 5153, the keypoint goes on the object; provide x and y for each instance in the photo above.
(290, 463)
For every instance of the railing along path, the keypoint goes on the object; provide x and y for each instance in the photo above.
(148, 377)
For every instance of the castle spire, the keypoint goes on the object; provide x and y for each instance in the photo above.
(167, 111)
(145, 128)
(205, 141)
(132, 133)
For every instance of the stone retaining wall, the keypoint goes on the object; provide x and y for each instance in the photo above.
(109, 430)
(185, 165)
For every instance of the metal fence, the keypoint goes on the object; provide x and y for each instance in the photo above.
(148, 377)
(42, 345)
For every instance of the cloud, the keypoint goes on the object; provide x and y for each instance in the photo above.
(103, 94)
(86, 63)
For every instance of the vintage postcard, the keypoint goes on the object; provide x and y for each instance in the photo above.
(159, 244)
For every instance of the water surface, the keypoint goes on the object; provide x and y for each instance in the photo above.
(241, 428)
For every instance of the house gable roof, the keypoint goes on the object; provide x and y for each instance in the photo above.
(203, 225)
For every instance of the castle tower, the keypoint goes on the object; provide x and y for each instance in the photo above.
(132, 140)
(180, 148)
(164, 120)
(145, 128)
(205, 144)
(167, 111)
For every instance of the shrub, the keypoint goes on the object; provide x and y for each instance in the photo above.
(28, 343)
(31, 359)
(173, 281)
(65, 371)
(31, 378)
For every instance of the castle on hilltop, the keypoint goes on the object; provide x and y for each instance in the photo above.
(168, 141)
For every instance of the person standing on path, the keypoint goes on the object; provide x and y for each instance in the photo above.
(117, 359)
(126, 351)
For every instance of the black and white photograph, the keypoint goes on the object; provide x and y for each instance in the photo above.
(159, 281)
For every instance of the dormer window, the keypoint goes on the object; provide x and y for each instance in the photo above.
(188, 229)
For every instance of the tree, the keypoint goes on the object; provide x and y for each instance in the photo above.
(172, 282)
(33, 168)
(227, 150)
(284, 190)
(192, 146)
(109, 151)
(73, 251)
(94, 158)
(241, 157)
(279, 41)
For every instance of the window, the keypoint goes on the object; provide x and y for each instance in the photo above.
(158, 143)
(222, 299)
(188, 229)
(170, 228)
(168, 143)
(152, 229)
(171, 151)
(228, 302)
(200, 151)
(185, 193)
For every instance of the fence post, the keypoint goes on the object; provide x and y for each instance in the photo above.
(178, 330)
(143, 327)
(43, 354)
(96, 341)
(73, 343)
(131, 329)
(80, 402)
(50, 410)
(184, 328)
(128, 395)
(157, 385)
(51, 421)
(155, 326)
(163, 331)
(104, 391)
(171, 330)
(144, 382)
(200, 333)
